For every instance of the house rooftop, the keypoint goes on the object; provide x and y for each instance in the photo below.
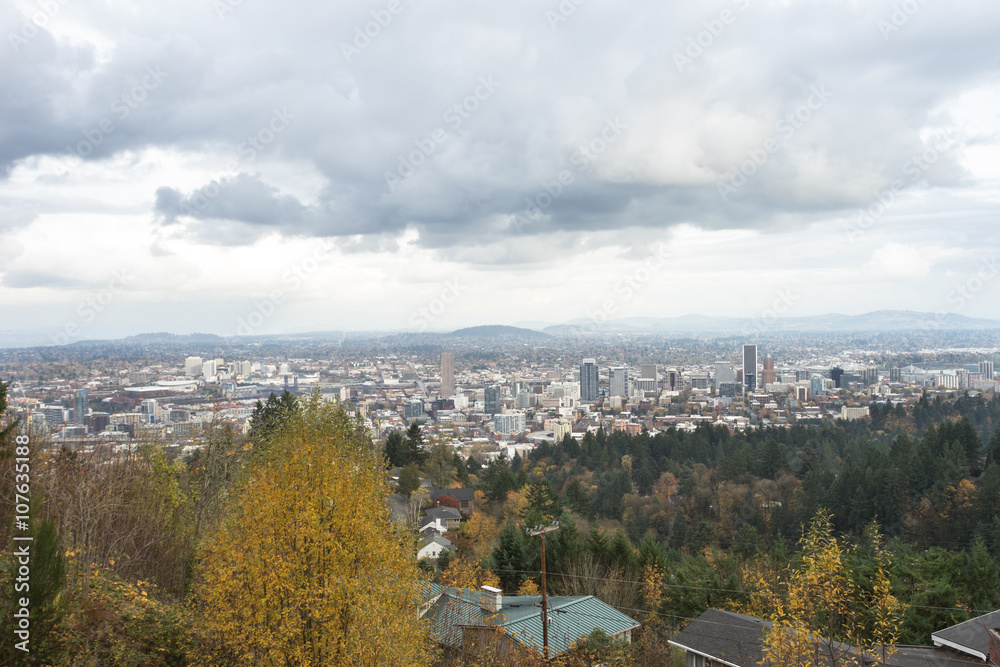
(738, 640)
(970, 637)
(571, 618)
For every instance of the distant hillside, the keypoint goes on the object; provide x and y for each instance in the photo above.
(883, 320)
(498, 331)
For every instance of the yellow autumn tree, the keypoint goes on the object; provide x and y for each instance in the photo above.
(819, 614)
(307, 568)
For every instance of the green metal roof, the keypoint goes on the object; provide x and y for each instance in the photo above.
(570, 618)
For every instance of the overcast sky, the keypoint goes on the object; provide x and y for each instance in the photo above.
(179, 166)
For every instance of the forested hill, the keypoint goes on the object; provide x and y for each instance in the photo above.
(712, 505)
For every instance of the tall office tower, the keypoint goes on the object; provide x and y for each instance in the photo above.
(98, 422)
(148, 410)
(986, 370)
(835, 374)
(209, 368)
(768, 376)
(895, 375)
(870, 375)
(724, 373)
(492, 399)
(618, 381)
(672, 379)
(192, 366)
(817, 385)
(648, 372)
(80, 403)
(588, 381)
(750, 367)
(447, 375)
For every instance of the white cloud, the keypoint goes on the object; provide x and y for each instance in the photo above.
(897, 261)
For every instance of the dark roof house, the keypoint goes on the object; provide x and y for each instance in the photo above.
(725, 638)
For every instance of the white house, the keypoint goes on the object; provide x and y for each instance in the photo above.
(433, 547)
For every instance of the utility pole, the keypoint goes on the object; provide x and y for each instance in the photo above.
(540, 531)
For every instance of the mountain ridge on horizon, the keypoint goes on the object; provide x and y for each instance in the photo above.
(875, 321)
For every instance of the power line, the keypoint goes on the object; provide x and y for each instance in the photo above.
(717, 590)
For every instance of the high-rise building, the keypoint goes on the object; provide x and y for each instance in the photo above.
(836, 373)
(55, 415)
(509, 423)
(414, 409)
(492, 399)
(524, 400)
(588, 381)
(723, 373)
(192, 366)
(895, 375)
(148, 410)
(648, 372)
(618, 381)
(870, 375)
(672, 380)
(209, 368)
(447, 374)
(817, 385)
(98, 422)
(986, 370)
(768, 375)
(750, 367)
(699, 380)
(80, 402)
(727, 389)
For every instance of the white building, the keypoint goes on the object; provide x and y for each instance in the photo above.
(509, 423)
(851, 414)
(618, 380)
(193, 366)
(560, 428)
(946, 381)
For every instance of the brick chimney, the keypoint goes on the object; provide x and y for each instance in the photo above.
(491, 599)
(994, 636)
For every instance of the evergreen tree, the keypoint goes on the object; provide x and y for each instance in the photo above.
(397, 454)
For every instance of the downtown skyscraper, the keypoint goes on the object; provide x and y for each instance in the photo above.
(750, 368)
(447, 375)
(588, 380)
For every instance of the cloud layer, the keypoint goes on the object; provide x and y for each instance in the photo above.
(484, 135)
